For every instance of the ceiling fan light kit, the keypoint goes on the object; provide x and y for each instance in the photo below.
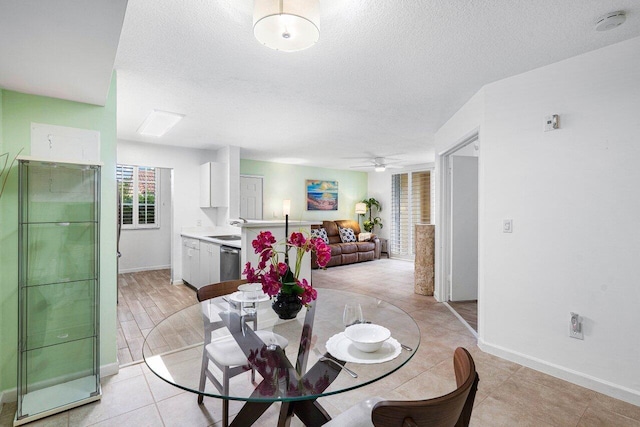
(378, 164)
(286, 25)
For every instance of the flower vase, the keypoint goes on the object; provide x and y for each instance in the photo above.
(286, 306)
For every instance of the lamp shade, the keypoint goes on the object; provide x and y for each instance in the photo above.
(287, 25)
(286, 207)
(361, 208)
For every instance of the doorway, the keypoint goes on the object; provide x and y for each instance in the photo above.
(145, 218)
(460, 229)
(250, 197)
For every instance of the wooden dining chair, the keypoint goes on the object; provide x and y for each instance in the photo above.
(224, 352)
(451, 410)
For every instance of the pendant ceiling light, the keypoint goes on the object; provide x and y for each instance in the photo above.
(287, 25)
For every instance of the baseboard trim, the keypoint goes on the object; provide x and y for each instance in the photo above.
(11, 395)
(177, 282)
(136, 270)
(461, 319)
(110, 369)
(596, 384)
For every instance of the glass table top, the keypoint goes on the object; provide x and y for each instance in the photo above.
(173, 349)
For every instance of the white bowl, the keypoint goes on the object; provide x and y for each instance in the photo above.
(367, 337)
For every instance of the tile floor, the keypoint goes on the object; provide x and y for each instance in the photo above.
(508, 394)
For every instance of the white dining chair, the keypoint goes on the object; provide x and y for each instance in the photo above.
(224, 352)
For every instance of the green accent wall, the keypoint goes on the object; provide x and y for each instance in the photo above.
(283, 181)
(17, 111)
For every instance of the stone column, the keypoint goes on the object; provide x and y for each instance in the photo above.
(424, 270)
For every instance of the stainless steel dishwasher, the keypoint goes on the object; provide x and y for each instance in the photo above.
(229, 263)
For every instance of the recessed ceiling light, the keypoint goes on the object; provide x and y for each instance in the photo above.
(290, 160)
(158, 123)
(610, 20)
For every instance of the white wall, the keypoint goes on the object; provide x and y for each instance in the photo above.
(150, 248)
(573, 197)
(185, 163)
(230, 156)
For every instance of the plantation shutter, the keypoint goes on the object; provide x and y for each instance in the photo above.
(138, 187)
(146, 195)
(124, 177)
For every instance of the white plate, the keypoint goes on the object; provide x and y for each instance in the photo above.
(237, 297)
(342, 348)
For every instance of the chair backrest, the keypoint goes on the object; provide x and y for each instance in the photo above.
(218, 289)
(450, 410)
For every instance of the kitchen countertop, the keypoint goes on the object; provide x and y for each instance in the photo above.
(204, 236)
(273, 223)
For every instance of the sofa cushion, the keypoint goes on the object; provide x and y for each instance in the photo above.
(320, 233)
(347, 235)
(332, 231)
(366, 246)
(349, 258)
(349, 223)
(336, 249)
(366, 256)
(348, 248)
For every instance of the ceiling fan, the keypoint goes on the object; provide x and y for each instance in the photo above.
(379, 164)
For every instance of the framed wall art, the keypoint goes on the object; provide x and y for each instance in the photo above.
(322, 195)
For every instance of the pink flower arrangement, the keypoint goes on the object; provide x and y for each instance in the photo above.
(277, 276)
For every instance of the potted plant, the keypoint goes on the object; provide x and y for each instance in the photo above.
(370, 223)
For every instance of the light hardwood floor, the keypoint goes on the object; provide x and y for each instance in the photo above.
(144, 300)
(508, 394)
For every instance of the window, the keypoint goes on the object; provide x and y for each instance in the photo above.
(138, 188)
(410, 205)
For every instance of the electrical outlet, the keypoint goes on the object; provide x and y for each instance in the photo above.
(507, 226)
(575, 327)
(199, 223)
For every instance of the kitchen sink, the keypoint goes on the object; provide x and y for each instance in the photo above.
(226, 237)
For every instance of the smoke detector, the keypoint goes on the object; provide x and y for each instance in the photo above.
(610, 20)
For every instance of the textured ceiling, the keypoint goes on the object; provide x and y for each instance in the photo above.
(62, 49)
(383, 78)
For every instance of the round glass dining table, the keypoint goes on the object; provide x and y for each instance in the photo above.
(309, 367)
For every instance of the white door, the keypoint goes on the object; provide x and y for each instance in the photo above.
(250, 197)
(464, 228)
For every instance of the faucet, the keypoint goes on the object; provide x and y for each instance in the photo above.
(234, 222)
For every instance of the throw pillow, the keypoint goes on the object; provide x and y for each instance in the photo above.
(347, 235)
(364, 237)
(320, 233)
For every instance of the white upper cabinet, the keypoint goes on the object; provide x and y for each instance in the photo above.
(214, 184)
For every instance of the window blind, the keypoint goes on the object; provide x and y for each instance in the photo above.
(410, 205)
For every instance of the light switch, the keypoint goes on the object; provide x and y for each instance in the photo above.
(507, 225)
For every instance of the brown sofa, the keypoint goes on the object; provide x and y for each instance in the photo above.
(347, 253)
